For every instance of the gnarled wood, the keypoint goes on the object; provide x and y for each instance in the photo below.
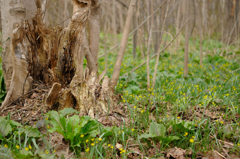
(55, 56)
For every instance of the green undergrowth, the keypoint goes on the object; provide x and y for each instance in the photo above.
(197, 113)
(208, 99)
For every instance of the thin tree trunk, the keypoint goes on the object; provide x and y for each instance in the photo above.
(148, 58)
(114, 26)
(201, 49)
(135, 35)
(159, 48)
(201, 35)
(177, 25)
(187, 36)
(117, 67)
(0, 22)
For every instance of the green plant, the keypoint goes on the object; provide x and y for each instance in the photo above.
(74, 129)
(2, 86)
(157, 132)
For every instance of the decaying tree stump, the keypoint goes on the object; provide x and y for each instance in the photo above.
(55, 57)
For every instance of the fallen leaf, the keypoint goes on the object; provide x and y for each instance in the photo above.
(119, 146)
(176, 153)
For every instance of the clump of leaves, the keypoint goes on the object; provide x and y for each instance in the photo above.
(157, 132)
(24, 154)
(74, 129)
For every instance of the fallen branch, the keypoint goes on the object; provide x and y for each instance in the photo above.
(160, 51)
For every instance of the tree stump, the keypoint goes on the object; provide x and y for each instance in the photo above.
(54, 56)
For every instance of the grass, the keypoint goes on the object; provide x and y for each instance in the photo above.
(195, 113)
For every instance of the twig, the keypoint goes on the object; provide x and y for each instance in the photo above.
(3, 108)
(219, 154)
(122, 3)
(160, 51)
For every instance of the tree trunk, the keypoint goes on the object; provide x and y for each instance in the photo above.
(13, 14)
(54, 56)
(123, 45)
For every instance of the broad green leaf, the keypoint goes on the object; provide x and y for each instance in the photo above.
(84, 120)
(70, 136)
(110, 131)
(14, 123)
(72, 124)
(146, 136)
(169, 139)
(30, 131)
(58, 122)
(5, 127)
(94, 133)
(67, 111)
(5, 153)
(90, 126)
(23, 154)
(157, 129)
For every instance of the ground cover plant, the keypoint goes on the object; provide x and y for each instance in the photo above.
(193, 116)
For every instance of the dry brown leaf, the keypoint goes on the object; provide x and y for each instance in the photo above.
(176, 153)
(119, 146)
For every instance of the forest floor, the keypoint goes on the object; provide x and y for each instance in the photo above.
(194, 117)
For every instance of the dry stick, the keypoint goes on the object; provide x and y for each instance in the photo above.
(157, 53)
(163, 27)
(148, 54)
(123, 4)
(133, 30)
(123, 45)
